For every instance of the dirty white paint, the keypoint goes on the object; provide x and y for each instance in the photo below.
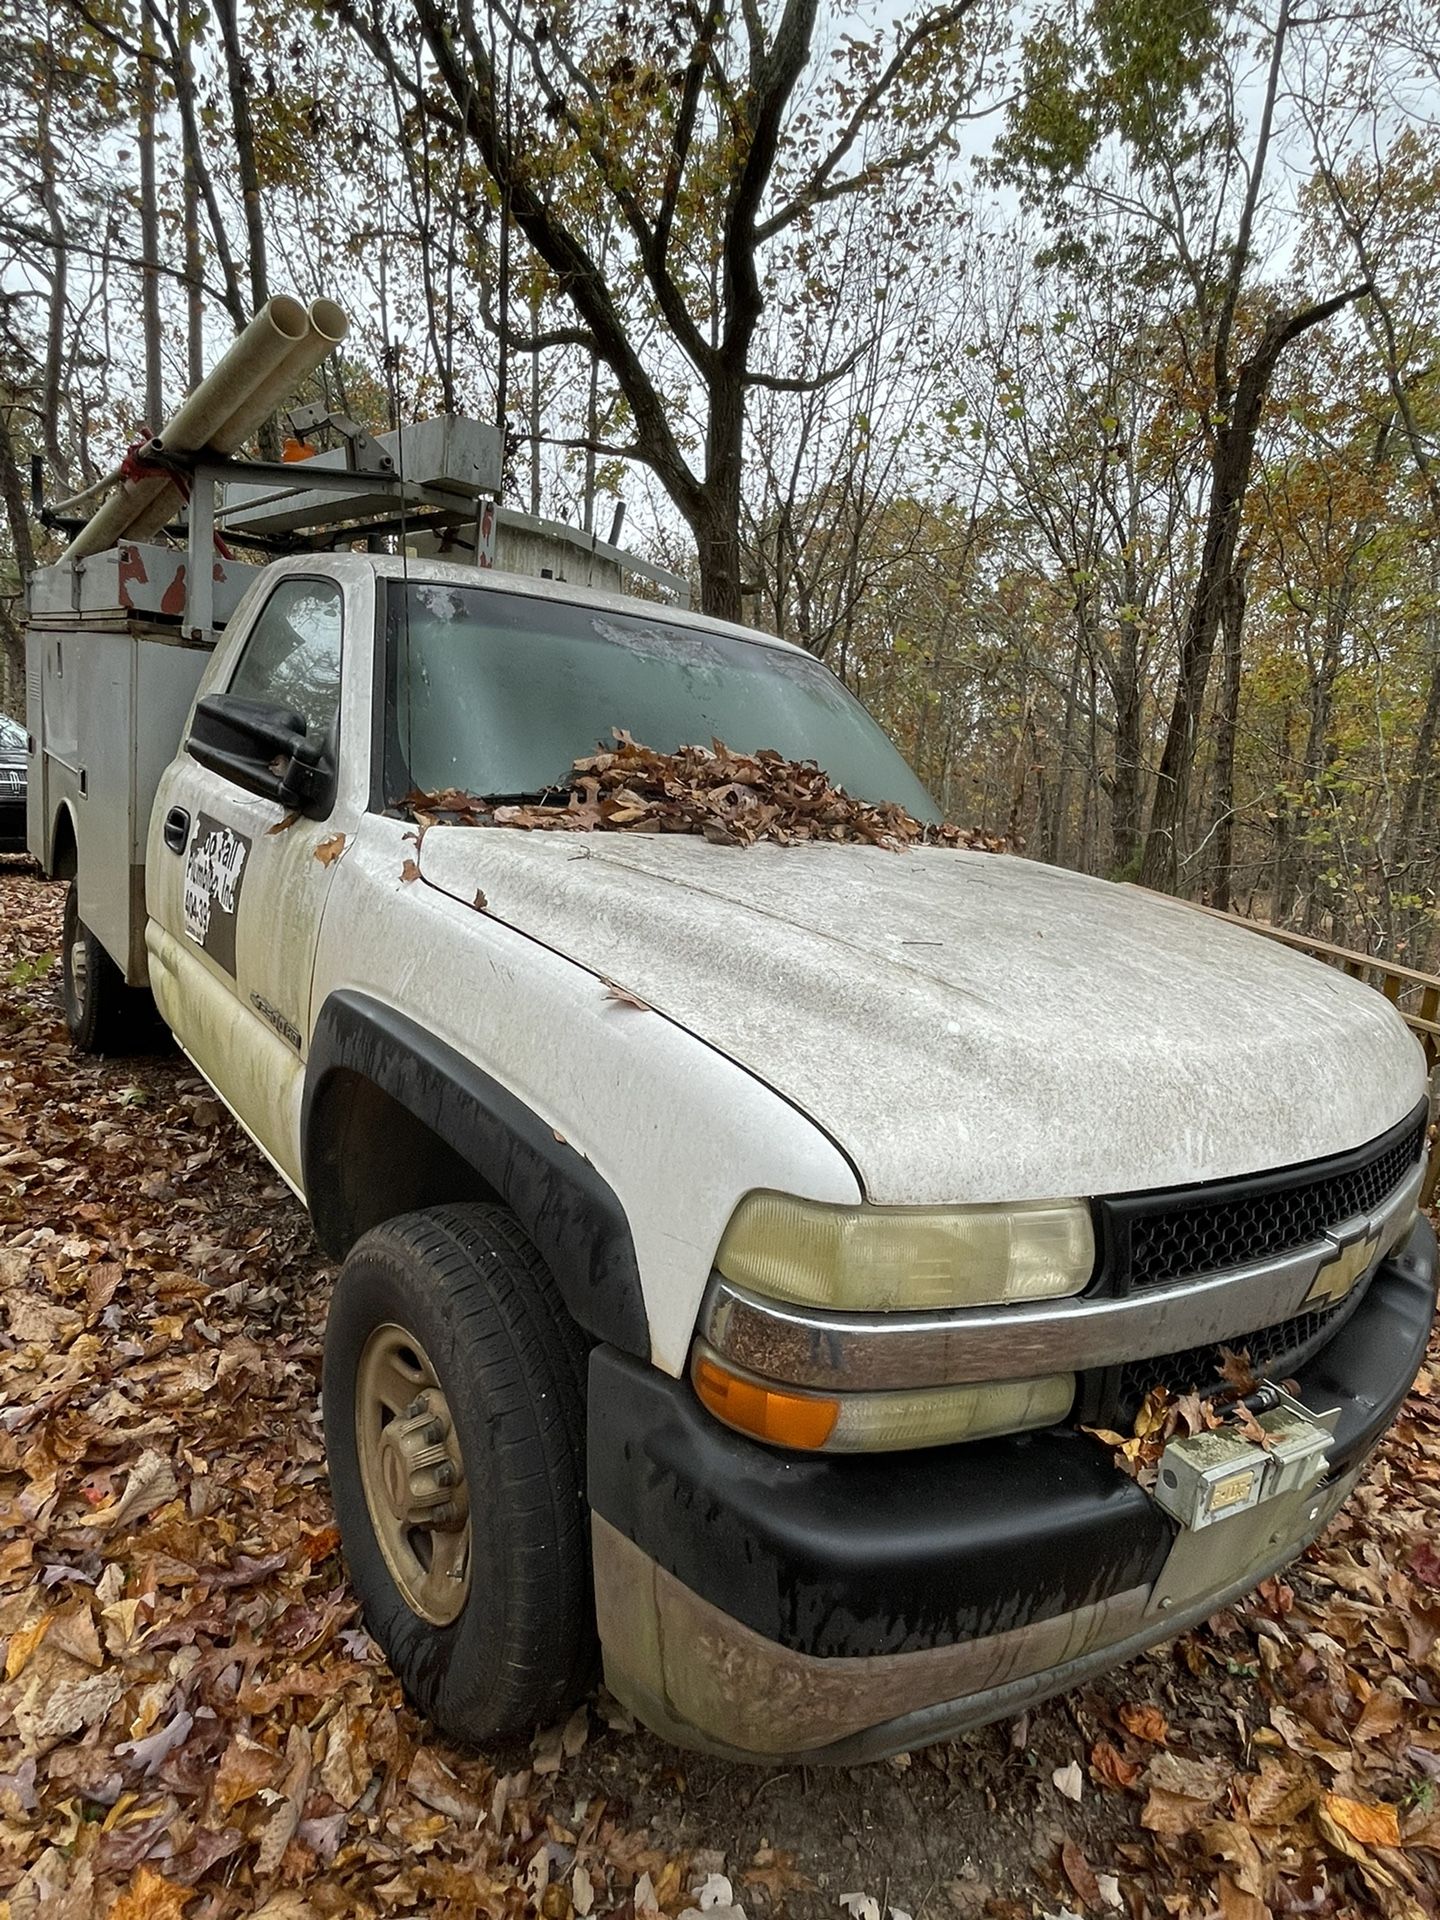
(247, 1027)
(968, 1026)
(956, 1027)
(679, 1132)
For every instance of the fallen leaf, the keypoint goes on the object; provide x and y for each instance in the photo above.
(52, 1705)
(1080, 1873)
(327, 852)
(1144, 1722)
(151, 1897)
(1112, 1767)
(23, 1643)
(345, 1767)
(152, 1483)
(1373, 1823)
(1229, 1842)
(279, 1829)
(1069, 1780)
(1237, 1904)
(409, 871)
(623, 997)
(860, 1906)
(432, 1783)
(40, 1323)
(245, 1767)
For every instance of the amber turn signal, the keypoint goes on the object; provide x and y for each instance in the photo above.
(771, 1413)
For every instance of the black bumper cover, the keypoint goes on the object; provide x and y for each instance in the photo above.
(895, 1553)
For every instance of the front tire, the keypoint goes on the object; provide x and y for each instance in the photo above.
(454, 1406)
(102, 1014)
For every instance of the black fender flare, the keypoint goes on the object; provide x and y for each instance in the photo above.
(571, 1213)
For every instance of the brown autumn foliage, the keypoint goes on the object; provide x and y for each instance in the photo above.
(194, 1726)
(733, 799)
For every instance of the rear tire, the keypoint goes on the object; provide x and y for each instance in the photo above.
(102, 1014)
(462, 1509)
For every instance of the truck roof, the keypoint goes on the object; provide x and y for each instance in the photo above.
(386, 566)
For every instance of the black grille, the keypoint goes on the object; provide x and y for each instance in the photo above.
(1274, 1353)
(1185, 1237)
(1154, 1238)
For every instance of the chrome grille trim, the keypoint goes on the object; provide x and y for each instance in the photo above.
(847, 1352)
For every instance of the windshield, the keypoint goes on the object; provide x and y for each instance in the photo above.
(498, 693)
(12, 735)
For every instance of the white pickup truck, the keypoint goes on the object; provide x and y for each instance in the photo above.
(737, 1242)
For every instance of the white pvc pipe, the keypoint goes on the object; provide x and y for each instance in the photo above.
(327, 326)
(141, 507)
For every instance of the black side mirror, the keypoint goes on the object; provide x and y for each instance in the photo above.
(262, 747)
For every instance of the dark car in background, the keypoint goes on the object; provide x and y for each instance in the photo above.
(12, 785)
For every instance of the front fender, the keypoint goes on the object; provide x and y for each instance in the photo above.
(569, 1211)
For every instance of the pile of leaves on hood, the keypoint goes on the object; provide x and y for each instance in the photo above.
(733, 799)
(194, 1726)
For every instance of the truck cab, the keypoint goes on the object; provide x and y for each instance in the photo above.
(743, 1244)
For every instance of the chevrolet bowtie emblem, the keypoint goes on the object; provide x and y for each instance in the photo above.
(1340, 1272)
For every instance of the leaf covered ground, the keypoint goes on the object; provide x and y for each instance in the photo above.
(193, 1723)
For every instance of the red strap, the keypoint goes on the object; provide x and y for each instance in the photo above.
(132, 467)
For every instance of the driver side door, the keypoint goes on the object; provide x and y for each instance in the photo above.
(236, 885)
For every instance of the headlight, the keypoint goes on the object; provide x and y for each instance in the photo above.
(867, 1259)
(874, 1422)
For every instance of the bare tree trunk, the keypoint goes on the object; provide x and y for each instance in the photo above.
(1056, 835)
(12, 492)
(179, 38)
(1223, 798)
(243, 127)
(1232, 457)
(54, 372)
(194, 294)
(149, 236)
(592, 430)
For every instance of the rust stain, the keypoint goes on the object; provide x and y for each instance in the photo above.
(172, 601)
(132, 572)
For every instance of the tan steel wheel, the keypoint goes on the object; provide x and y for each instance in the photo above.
(412, 1475)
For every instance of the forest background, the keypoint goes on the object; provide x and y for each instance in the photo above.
(1066, 377)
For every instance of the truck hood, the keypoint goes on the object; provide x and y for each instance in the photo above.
(965, 1026)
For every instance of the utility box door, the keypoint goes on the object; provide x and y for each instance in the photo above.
(106, 712)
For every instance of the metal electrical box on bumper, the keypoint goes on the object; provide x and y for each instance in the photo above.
(772, 1605)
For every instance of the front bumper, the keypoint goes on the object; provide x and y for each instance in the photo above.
(770, 1606)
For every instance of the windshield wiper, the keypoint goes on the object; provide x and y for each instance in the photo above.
(534, 797)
